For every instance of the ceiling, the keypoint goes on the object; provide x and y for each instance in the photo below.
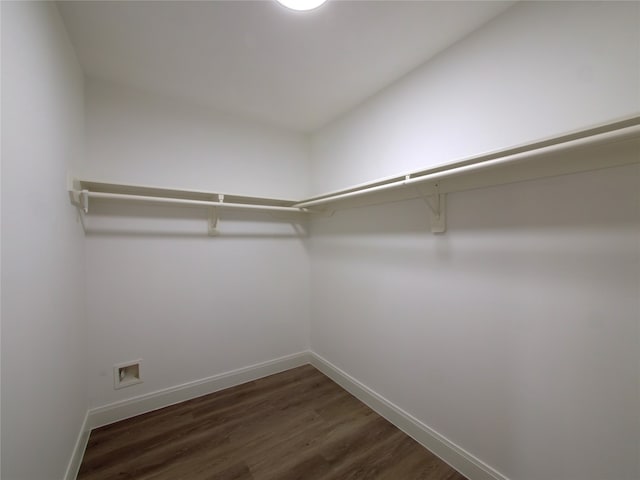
(261, 61)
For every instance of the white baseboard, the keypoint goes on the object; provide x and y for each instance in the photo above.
(78, 450)
(461, 460)
(131, 407)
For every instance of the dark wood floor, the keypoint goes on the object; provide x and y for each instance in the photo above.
(294, 425)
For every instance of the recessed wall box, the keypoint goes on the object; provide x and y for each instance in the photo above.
(126, 374)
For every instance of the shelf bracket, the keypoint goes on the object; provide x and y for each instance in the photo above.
(84, 196)
(212, 223)
(73, 187)
(437, 204)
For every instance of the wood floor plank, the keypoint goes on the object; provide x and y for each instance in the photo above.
(297, 424)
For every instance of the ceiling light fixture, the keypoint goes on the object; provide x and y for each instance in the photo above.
(301, 5)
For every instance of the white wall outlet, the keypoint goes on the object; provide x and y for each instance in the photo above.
(126, 374)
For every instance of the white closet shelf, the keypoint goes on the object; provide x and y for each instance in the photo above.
(625, 131)
(607, 145)
(82, 190)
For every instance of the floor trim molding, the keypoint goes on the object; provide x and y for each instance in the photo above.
(470, 466)
(78, 450)
(131, 407)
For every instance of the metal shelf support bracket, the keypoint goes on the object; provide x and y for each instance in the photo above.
(437, 204)
(212, 224)
(84, 196)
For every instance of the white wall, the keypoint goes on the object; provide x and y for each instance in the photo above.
(516, 334)
(538, 69)
(44, 349)
(157, 287)
(135, 137)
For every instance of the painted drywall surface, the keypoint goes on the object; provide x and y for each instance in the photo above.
(514, 335)
(539, 69)
(140, 138)
(44, 350)
(160, 289)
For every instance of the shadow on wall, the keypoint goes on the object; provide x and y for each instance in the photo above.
(117, 219)
(514, 230)
(607, 198)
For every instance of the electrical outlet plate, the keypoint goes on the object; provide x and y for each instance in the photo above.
(126, 374)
